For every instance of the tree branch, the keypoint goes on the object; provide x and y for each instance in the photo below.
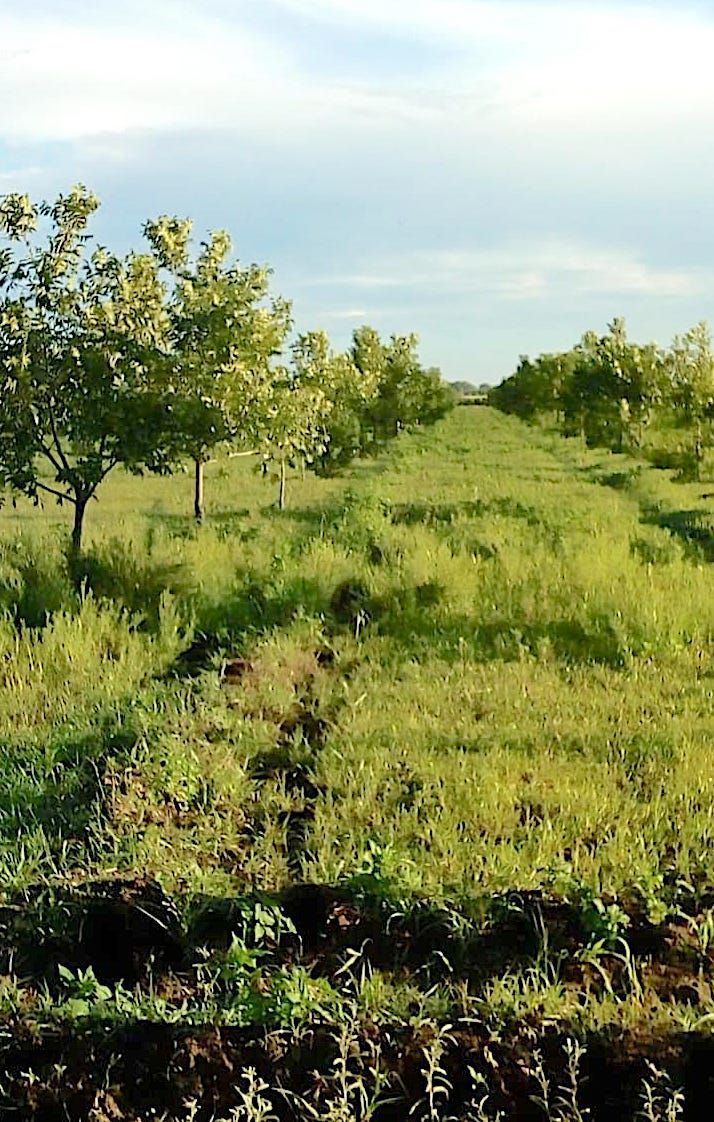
(234, 456)
(110, 464)
(56, 438)
(68, 498)
(49, 454)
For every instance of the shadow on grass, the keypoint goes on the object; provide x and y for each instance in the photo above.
(422, 632)
(113, 572)
(227, 523)
(249, 610)
(412, 617)
(617, 480)
(53, 790)
(128, 930)
(694, 528)
(33, 586)
(435, 514)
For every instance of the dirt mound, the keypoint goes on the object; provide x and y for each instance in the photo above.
(123, 930)
(145, 1071)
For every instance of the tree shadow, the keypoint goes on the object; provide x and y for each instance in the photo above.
(54, 790)
(129, 930)
(34, 585)
(251, 609)
(412, 618)
(113, 572)
(435, 514)
(226, 523)
(694, 528)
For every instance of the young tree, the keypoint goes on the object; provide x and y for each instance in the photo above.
(393, 407)
(691, 364)
(540, 386)
(81, 356)
(292, 426)
(434, 397)
(587, 396)
(224, 333)
(637, 383)
(612, 388)
(369, 357)
(352, 383)
(406, 394)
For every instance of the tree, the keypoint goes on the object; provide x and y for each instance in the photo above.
(611, 388)
(541, 386)
(369, 357)
(224, 334)
(634, 377)
(352, 383)
(434, 397)
(588, 396)
(691, 364)
(82, 344)
(406, 394)
(394, 406)
(292, 426)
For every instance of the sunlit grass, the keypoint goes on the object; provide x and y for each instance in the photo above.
(470, 666)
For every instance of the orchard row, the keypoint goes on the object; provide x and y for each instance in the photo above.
(170, 353)
(610, 390)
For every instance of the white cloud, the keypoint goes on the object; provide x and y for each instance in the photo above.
(346, 313)
(527, 272)
(586, 117)
(543, 60)
(157, 66)
(168, 65)
(515, 64)
(16, 179)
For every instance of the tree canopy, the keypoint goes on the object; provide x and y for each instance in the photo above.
(83, 342)
(608, 389)
(224, 331)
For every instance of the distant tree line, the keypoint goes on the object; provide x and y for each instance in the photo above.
(471, 391)
(171, 353)
(608, 389)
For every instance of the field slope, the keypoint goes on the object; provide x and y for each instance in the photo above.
(399, 803)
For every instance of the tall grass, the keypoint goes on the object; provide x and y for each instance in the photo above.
(472, 674)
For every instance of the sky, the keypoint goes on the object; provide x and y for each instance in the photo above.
(497, 176)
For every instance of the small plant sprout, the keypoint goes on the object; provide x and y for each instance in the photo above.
(660, 1100)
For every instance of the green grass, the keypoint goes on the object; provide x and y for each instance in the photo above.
(480, 666)
(522, 656)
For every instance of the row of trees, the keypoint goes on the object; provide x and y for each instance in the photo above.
(173, 353)
(609, 389)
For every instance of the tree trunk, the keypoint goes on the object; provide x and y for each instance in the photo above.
(198, 492)
(281, 494)
(697, 449)
(80, 507)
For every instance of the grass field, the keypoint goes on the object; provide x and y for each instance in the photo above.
(398, 803)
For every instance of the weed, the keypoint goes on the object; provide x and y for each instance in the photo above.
(562, 1102)
(661, 1102)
